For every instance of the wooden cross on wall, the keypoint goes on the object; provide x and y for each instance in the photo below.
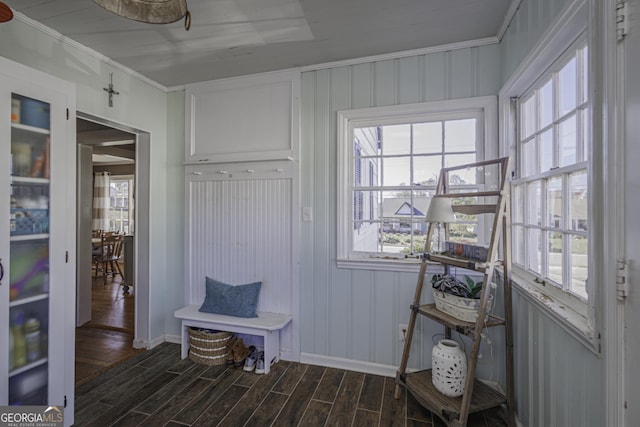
(111, 91)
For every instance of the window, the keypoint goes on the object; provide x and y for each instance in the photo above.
(389, 162)
(121, 205)
(550, 195)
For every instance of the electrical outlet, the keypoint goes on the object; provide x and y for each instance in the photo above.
(402, 332)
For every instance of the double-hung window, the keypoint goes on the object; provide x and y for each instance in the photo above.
(389, 162)
(550, 193)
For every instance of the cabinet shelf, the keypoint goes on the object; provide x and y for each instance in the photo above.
(27, 180)
(460, 326)
(27, 367)
(28, 300)
(29, 129)
(420, 385)
(23, 237)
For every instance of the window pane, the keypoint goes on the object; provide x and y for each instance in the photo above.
(427, 138)
(567, 87)
(579, 209)
(586, 119)
(461, 176)
(555, 257)
(396, 139)
(518, 203)
(426, 169)
(460, 135)
(546, 151)
(579, 263)
(528, 117)
(397, 171)
(585, 74)
(546, 104)
(554, 202)
(464, 232)
(534, 246)
(518, 245)
(365, 141)
(534, 199)
(366, 237)
(567, 141)
(529, 158)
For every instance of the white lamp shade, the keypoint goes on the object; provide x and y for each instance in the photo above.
(440, 210)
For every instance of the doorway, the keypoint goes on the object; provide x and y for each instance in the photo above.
(110, 310)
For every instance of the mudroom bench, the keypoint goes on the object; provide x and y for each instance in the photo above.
(266, 325)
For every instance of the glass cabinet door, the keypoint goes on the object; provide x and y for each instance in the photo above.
(29, 302)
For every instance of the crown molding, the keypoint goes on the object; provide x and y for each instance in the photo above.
(84, 49)
(403, 54)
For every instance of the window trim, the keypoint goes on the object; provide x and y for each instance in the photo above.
(567, 28)
(347, 120)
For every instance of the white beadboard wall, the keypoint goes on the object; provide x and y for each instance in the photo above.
(526, 28)
(559, 382)
(354, 314)
(241, 232)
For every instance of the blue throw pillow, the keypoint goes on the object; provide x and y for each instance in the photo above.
(239, 301)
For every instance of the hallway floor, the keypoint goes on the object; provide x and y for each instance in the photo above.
(108, 339)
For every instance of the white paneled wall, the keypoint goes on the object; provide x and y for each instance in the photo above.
(559, 381)
(353, 315)
(239, 229)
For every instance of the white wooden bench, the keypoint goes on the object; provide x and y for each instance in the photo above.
(266, 325)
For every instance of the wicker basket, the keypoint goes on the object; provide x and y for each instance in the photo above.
(208, 347)
(465, 309)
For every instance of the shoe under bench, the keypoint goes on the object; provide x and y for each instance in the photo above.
(267, 325)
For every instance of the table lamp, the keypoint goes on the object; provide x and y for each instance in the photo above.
(440, 212)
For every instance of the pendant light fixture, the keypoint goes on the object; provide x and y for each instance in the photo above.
(149, 11)
(6, 14)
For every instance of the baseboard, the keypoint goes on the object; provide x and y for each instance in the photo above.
(174, 339)
(349, 364)
(139, 343)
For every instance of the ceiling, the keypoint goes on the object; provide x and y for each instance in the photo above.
(238, 37)
(110, 146)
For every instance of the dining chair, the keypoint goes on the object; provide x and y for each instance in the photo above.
(107, 255)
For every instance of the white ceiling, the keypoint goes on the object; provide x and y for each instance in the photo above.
(238, 37)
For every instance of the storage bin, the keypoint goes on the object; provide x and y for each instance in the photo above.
(34, 113)
(208, 347)
(465, 309)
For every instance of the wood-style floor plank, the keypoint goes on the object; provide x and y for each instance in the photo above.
(344, 408)
(117, 385)
(295, 407)
(202, 406)
(156, 388)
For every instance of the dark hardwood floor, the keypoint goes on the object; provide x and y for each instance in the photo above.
(107, 339)
(119, 386)
(156, 388)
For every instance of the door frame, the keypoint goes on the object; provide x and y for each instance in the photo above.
(142, 233)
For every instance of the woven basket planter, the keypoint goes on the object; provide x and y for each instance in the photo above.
(465, 309)
(208, 347)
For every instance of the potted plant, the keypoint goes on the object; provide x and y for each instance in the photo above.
(460, 299)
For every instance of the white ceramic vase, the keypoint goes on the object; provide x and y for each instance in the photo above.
(449, 368)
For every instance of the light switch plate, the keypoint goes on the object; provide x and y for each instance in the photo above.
(307, 214)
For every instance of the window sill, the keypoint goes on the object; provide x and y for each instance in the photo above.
(410, 265)
(572, 322)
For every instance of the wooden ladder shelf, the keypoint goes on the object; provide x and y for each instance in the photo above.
(477, 396)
